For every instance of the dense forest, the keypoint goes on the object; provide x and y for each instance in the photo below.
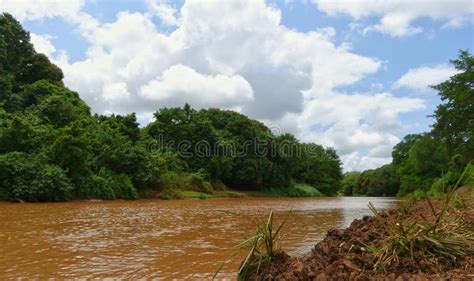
(432, 161)
(53, 149)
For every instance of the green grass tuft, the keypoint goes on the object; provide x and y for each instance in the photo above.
(261, 246)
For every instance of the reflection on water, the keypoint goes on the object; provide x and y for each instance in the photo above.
(155, 239)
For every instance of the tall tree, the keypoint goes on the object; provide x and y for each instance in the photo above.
(455, 116)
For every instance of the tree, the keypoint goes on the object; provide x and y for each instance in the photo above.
(52, 148)
(427, 159)
(349, 183)
(401, 150)
(454, 123)
(19, 61)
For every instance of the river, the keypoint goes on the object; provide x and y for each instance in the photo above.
(181, 239)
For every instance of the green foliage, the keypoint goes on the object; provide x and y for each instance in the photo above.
(454, 124)
(241, 152)
(218, 186)
(307, 190)
(171, 194)
(27, 178)
(20, 65)
(52, 149)
(449, 236)
(195, 194)
(383, 181)
(230, 194)
(319, 167)
(59, 151)
(262, 246)
(126, 125)
(429, 162)
(185, 182)
(108, 185)
(295, 190)
(349, 183)
(401, 150)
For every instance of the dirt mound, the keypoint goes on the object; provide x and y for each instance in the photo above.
(350, 254)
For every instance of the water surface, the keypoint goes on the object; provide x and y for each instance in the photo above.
(155, 239)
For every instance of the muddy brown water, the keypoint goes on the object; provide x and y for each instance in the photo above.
(184, 239)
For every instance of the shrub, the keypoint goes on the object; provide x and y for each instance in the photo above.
(185, 182)
(108, 185)
(307, 190)
(198, 183)
(27, 178)
(50, 184)
(218, 186)
(170, 194)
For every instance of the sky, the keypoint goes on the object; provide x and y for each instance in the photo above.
(353, 75)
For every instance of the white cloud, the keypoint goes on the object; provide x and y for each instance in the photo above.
(180, 84)
(39, 9)
(421, 78)
(237, 55)
(397, 16)
(42, 44)
(357, 161)
(115, 92)
(357, 123)
(164, 11)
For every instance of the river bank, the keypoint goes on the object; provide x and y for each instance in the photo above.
(222, 191)
(356, 252)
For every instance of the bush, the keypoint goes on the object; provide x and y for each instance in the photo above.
(108, 185)
(308, 190)
(170, 194)
(51, 184)
(186, 182)
(218, 186)
(26, 178)
(440, 185)
(198, 183)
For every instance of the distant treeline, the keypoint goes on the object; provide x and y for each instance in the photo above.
(53, 149)
(432, 161)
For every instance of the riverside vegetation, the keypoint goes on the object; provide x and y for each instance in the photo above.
(431, 235)
(431, 161)
(423, 240)
(53, 149)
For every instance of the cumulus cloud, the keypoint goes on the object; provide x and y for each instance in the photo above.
(39, 9)
(180, 84)
(357, 122)
(43, 44)
(164, 11)
(421, 78)
(357, 161)
(396, 17)
(236, 55)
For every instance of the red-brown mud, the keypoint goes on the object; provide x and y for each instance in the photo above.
(345, 254)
